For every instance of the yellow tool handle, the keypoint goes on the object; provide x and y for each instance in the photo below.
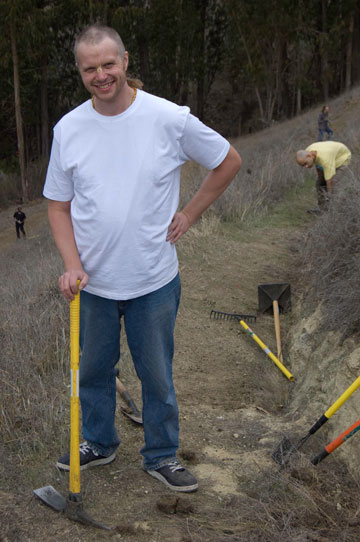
(267, 351)
(354, 386)
(277, 329)
(74, 481)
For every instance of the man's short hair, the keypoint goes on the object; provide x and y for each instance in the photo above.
(301, 156)
(94, 34)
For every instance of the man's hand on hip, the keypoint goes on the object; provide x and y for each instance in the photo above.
(179, 225)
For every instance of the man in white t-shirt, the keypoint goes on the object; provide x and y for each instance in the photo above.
(113, 189)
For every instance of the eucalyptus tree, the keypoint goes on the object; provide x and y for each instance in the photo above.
(262, 32)
(13, 26)
(177, 47)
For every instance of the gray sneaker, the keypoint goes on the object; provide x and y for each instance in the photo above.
(88, 458)
(176, 477)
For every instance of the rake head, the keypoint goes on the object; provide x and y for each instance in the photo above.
(286, 449)
(219, 315)
(283, 451)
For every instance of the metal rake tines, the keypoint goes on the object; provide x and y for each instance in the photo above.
(219, 315)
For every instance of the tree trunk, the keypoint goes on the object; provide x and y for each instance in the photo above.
(44, 113)
(200, 92)
(105, 11)
(18, 116)
(324, 52)
(144, 60)
(349, 52)
(298, 101)
(256, 88)
(91, 12)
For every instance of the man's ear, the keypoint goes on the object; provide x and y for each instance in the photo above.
(126, 60)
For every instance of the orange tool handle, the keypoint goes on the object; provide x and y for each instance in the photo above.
(350, 431)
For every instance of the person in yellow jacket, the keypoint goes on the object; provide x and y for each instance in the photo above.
(328, 157)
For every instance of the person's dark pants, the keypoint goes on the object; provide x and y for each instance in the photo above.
(20, 228)
(327, 130)
(321, 189)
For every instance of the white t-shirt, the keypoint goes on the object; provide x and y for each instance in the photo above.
(122, 176)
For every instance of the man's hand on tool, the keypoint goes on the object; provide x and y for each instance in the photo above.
(68, 282)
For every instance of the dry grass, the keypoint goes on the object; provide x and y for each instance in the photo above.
(330, 261)
(34, 348)
(296, 504)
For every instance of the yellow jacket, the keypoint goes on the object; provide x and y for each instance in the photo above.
(330, 156)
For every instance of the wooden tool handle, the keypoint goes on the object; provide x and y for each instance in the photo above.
(123, 392)
(277, 329)
(120, 388)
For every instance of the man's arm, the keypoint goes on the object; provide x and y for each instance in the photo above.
(329, 174)
(63, 233)
(329, 185)
(212, 187)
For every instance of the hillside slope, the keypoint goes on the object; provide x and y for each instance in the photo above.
(235, 405)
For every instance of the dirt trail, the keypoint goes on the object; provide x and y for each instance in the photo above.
(232, 402)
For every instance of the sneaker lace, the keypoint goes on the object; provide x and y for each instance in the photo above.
(84, 448)
(174, 466)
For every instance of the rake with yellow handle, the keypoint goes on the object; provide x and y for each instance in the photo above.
(283, 451)
(73, 505)
(277, 362)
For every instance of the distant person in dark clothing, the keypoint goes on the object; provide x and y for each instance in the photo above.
(19, 217)
(323, 124)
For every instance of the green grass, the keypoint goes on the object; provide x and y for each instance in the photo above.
(290, 212)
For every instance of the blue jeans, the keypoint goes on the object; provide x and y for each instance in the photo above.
(327, 130)
(149, 324)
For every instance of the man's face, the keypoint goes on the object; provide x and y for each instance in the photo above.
(102, 69)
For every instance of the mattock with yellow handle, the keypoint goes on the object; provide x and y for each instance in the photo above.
(72, 506)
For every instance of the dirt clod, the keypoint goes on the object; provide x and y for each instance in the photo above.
(188, 455)
(174, 505)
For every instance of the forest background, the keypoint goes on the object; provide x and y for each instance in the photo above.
(240, 65)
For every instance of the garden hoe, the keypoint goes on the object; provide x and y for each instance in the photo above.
(285, 448)
(73, 505)
(276, 296)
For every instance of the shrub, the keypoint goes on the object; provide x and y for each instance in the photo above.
(330, 260)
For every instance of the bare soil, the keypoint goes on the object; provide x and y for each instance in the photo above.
(233, 411)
